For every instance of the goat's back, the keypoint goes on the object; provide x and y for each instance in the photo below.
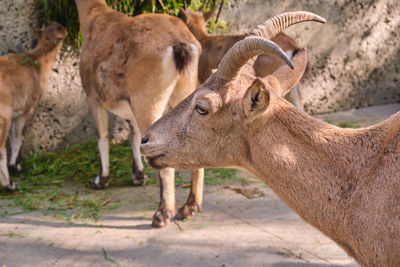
(114, 44)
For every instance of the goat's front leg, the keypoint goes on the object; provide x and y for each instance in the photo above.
(100, 117)
(16, 138)
(5, 180)
(166, 209)
(138, 176)
(195, 198)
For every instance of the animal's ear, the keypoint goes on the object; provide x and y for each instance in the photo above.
(288, 78)
(208, 15)
(38, 32)
(182, 14)
(256, 99)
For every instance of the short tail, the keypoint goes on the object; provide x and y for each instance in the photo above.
(182, 55)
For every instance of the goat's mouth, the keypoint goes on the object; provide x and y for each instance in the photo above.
(156, 161)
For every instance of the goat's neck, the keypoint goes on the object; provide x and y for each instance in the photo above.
(313, 166)
(88, 10)
(198, 31)
(46, 57)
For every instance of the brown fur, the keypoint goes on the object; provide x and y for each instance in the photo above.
(215, 47)
(137, 68)
(23, 80)
(345, 182)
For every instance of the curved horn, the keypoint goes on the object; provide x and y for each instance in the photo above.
(273, 26)
(245, 49)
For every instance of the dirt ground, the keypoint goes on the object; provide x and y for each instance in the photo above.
(240, 225)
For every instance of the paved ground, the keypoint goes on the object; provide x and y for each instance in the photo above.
(363, 116)
(232, 230)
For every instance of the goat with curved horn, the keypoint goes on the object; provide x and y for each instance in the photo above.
(344, 182)
(258, 42)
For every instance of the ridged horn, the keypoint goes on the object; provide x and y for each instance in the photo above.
(258, 42)
(245, 49)
(273, 26)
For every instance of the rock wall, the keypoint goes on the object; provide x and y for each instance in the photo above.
(17, 18)
(354, 61)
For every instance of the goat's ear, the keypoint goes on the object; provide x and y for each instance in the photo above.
(182, 14)
(287, 77)
(256, 99)
(38, 32)
(208, 15)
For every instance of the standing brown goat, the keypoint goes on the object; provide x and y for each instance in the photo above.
(23, 80)
(345, 182)
(137, 68)
(215, 47)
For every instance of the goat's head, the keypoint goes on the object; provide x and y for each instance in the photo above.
(51, 34)
(210, 128)
(197, 20)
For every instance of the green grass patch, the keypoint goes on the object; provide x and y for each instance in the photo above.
(12, 234)
(107, 258)
(344, 124)
(222, 176)
(58, 183)
(212, 177)
(349, 124)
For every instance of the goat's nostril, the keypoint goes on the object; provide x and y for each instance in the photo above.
(145, 139)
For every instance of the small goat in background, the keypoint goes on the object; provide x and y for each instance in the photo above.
(23, 80)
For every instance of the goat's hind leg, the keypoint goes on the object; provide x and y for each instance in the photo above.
(16, 138)
(195, 198)
(5, 180)
(138, 176)
(100, 117)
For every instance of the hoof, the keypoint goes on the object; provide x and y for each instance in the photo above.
(161, 218)
(100, 183)
(12, 187)
(15, 169)
(187, 210)
(138, 178)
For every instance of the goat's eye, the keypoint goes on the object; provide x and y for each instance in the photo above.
(201, 110)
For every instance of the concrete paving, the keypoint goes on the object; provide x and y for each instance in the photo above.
(232, 230)
(363, 116)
